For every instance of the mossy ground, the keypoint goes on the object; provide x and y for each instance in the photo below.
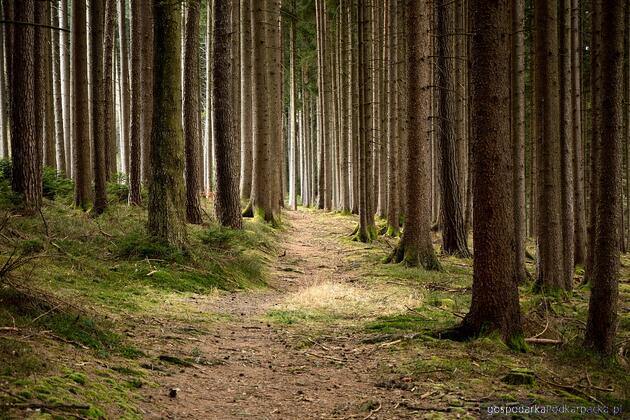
(71, 307)
(404, 309)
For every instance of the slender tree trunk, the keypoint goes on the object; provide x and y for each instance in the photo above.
(518, 135)
(137, 102)
(602, 315)
(4, 101)
(495, 304)
(58, 102)
(246, 101)
(208, 143)
(551, 273)
(125, 98)
(147, 91)
(566, 140)
(109, 101)
(227, 203)
(262, 166)
(367, 230)
(80, 106)
(166, 189)
(354, 99)
(97, 85)
(453, 233)
(191, 112)
(292, 117)
(50, 155)
(594, 150)
(66, 79)
(579, 205)
(40, 80)
(27, 176)
(416, 248)
(393, 163)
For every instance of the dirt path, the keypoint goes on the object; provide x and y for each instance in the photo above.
(255, 370)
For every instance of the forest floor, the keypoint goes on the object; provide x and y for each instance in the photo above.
(334, 334)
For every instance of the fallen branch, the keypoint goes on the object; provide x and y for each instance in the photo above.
(323, 356)
(35, 406)
(376, 410)
(542, 340)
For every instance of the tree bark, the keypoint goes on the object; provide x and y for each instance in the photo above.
(50, 155)
(566, 141)
(80, 106)
(551, 274)
(594, 149)
(453, 233)
(227, 203)
(495, 304)
(137, 102)
(166, 189)
(97, 85)
(246, 100)
(109, 106)
(293, 181)
(579, 206)
(393, 163)
(602, 315)
(66, 80)
(26, 169)
(147, 91)
(415, 247)
(518, 135)
(58, 98)
(262, 166)
(191, 112)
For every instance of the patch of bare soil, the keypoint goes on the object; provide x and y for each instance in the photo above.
(248, 368)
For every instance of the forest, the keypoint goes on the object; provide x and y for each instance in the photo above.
(327, 209)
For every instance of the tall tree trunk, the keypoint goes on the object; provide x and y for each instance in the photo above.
(208, 144)
(27, 170)
(97, 84)
(602, 314)
(58, 98)
(367, 230)
(125, 98)
(66, 73)
(109, 106)
(393, 163)
(353, 93)
(191, 112)
(579, 206)
(518, 135)
(566, 141)
(246, 100)
(495, 304)
(453, 233)
(4, 100)
(137, 102)
(227, 203)
(293, 184)
(322, 115)
(551, 274)
(594, 149)
(166, 189)
(40, 80)
(80, 106)
(50, 155)
(415, 247)
(262, 165)
(147, 91)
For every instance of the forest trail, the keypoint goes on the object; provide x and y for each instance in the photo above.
(254, 369)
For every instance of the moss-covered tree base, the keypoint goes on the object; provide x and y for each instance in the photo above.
(364, 235)
(412, 257)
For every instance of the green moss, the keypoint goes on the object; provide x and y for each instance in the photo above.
(518, 344)
(286, 317)
(77, 377)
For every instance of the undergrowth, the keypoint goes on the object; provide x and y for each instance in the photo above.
(72, 283)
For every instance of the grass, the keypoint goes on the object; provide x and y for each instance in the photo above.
(390, 303)
(83, 281)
